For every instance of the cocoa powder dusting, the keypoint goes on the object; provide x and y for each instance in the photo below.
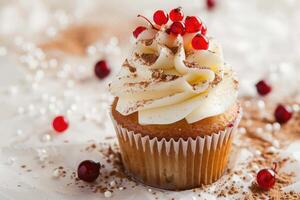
(130, 67)
(149, 59)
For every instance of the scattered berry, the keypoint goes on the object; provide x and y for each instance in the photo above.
(60, 124)
(176, 14)
(88, 170)
(210, 4)
(263, 88)
(203, 29)
(160, 17)
(101, 69)
(266, 178)
(177, 28)
(200, 42)
(138, 30)
(282, 114)
(192, 24)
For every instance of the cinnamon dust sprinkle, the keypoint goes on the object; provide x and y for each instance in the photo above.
(130, 67)
(74, 39)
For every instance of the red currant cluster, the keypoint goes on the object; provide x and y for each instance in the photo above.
(191, 24)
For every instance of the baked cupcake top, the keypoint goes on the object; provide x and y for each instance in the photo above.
(174, 72)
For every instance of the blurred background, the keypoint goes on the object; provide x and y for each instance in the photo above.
(258, 37)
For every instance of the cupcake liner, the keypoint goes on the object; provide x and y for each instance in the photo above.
(175, 165)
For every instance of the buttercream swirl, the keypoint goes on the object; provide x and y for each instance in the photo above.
(165, 80)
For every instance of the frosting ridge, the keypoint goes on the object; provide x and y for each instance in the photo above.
(165, 80)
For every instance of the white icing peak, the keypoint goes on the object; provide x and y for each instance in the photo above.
(165, 80)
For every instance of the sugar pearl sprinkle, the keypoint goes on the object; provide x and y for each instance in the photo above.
(276, 126)
(108, 194)
(56, 173)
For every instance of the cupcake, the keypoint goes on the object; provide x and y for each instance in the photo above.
(175, 108)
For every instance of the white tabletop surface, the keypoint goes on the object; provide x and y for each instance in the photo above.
(260, 39)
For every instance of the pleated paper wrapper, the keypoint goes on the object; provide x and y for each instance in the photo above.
(175, 165)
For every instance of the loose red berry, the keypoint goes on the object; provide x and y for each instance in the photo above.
(176, 14)
(266, 178)
(203, 29)
(101, 69)
(263, 88)
(88, 170)
(177, 28)
(160, 17)
(200, 42)
(282, 114)
(192, 24)
(210, 4)
(60, 124)
(138, 31)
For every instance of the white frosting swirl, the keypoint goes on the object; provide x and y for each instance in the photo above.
(165, 80)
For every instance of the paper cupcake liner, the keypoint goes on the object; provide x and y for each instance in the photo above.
(175, 165)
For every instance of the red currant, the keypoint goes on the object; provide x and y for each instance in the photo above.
(138, 31)
(200, 42)
(177, 28)
(192, 24)
(266, 178)
(176, 14)
(160, 17)
(203, 29)
(60, 124)
(88, 170)
(282, 114)
(263, 88)
(210, 4)
(101, 69)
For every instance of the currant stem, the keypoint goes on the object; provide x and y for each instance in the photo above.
(275, 167)
(148, 21)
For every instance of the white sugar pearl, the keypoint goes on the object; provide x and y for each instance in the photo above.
(21, 110)
(20, 132)
(296, 108)
(242, 130)
(91, 50)
(56, 173)
(13, 90)
(46, 138)
(121, 188)
(248, 177)
(276, 143)
(276, 126)
(247, 104)
(149, 190)
(255, 167)
(269, 127)
(3, 51)
(113, 183)
(259, 130)
(257, 153)
(11, 161)
(108, 194)
(249, 122)
(261, 104)
(272, 150)
(53, 63)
